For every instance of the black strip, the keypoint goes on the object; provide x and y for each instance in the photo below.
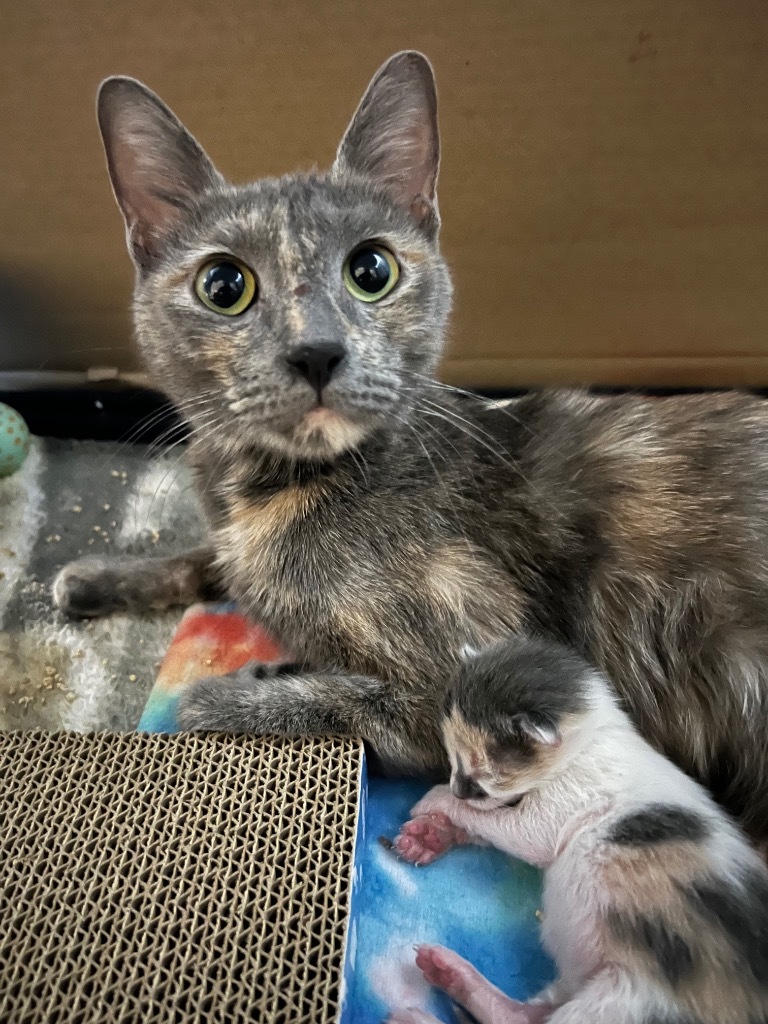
(97, 413)
(112, 412)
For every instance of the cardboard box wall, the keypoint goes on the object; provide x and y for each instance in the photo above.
(604, 188)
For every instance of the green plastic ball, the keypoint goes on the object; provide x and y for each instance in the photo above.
(14, 440)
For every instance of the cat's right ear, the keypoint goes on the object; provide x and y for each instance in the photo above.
(393, 137)
(156, 167)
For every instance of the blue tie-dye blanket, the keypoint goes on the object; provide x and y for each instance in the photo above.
(474, 900)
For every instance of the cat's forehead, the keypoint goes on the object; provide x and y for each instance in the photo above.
(301, 218)
(464, 735)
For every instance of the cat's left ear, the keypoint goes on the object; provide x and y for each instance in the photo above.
(157, 168)
(539, 728)
(393, 137)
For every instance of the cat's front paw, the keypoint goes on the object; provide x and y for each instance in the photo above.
(422, 840)
(88, 588)
(240, 702)
(205, 706)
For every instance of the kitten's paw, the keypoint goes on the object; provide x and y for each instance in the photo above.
(88, 588)
(422, 840)
(461, 981)
(446, 970)
(411, 1016)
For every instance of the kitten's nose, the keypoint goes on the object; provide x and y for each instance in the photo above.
(317, 363)
(465, 788)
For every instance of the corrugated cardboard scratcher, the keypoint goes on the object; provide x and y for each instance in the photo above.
(175, 878)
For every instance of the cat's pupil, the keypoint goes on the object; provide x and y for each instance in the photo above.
(224, 285)
(370, 270)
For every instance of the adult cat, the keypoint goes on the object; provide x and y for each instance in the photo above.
(376, 521)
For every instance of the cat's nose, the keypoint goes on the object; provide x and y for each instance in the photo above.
(317, 363)
(465, 788)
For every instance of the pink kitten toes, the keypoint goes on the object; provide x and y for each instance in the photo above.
(448, 971)
(424, 839)
(465, 985)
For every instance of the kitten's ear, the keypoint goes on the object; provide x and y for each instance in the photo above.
(156, 167)
(537, 727)
(393, 137)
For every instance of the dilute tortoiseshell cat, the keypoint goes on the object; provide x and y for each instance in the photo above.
(377, 521)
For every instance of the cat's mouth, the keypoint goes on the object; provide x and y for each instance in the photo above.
(318, 431)
(325, 433)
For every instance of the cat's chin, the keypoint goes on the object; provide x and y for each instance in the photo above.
(321, 434)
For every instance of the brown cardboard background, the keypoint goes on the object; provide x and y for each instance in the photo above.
(604, 187)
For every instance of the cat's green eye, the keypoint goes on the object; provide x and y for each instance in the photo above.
(226, 286)
(370, 272)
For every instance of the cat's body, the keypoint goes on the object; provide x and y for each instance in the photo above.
(376, 521)
(655, 908)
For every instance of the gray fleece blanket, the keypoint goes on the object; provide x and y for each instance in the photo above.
(69, 499)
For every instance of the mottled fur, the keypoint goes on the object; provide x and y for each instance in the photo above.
(378, 533)
(655, 905)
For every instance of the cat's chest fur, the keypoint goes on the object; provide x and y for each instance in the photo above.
(372, 582)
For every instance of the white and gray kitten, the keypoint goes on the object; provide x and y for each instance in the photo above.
(655, 905)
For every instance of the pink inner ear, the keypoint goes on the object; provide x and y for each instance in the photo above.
(393, 136)
(155, 165)
(139, 181)
(150, 220)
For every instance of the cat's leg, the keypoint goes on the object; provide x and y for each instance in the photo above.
(91, 587)
(511, 829)
(439, 800)
(276, 700)
(457, 977)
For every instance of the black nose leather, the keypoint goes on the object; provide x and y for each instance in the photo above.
(465, 788)
(317, 363)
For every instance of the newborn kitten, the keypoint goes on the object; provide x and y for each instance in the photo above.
(655, 906)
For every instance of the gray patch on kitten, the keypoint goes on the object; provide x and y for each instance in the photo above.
(741, 911)
(659, 823)
(653, 937)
